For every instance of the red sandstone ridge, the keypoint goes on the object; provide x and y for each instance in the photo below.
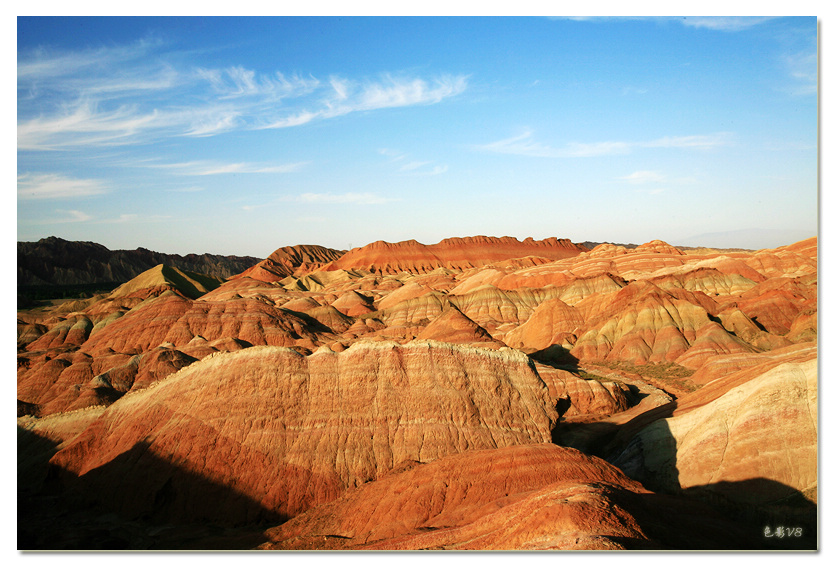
(457, 253)
(288, 261)
(290, 431)
(270, 395)
(748, 439)
(516, 498)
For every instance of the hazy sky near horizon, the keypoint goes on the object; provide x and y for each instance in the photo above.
(242, 135)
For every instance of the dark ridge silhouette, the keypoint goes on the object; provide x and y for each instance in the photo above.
(88, 266)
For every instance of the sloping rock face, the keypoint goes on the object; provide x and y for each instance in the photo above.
(549, 324)
(642, 323)
(516, 498)
(60, 262)
(291, 261)
(452, 326)
(293, 431)
(458, 253)
(331, 378)
(752, 447)
(162, 278)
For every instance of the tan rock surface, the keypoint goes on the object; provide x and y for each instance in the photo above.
(515, 498)
(452, 326)
(751, 439)
(291, 431)
(458, 253)
(290, 261)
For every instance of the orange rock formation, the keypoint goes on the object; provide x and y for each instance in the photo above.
(316, 384)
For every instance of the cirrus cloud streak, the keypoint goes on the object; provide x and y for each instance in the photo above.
(525, 145)
(55, 186)
(119, 96)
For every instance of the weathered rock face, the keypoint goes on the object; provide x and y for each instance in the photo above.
(452, 326)
(170, 318)
(265, 432)
(162, 278)
(515, 498)
(642, 323)
(575, 396)
(753, 445)
(546, 326)
(290, 261)
(293, 432)
(458, 253)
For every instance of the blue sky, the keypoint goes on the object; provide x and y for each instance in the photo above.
(239, 136)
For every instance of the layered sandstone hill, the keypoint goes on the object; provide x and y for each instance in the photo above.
(59, 262)
(516, 498)
(286, 387)
(757, 421)
(162, 278)
(679, 314)
(291, 431)
(458, 253)
(290, 261)
(746, 442)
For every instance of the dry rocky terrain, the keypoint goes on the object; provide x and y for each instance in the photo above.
(479, 393)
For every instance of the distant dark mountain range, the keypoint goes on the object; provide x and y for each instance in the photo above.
(55, 262)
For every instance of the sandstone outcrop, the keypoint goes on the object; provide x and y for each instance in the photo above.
(303, 382)
(458, 253)
(452, 326)
(746, 440)
(291, 261)
(293, 431)
(515, 498)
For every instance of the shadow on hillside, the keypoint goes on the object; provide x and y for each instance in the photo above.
(556, 356)
(752, 514)
(167, 508)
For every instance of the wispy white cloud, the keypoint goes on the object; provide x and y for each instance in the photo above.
(60, 216)
(293, 120)
(691, 141)
(440, 169)
(345, 97)
(723, 23)
(413, 167)
(655, 182)
(522, 144)
(120, 95)
(644, 176)
(73, 216)
(43, 65)
(187, 189)
(715, 23)
(84, 124)
(56, 186)
(392, 154)
(598, 149)
(135, 218)
(525, 145)
(633, 90)
(363, 198)
(803, 68)
(238, 81)
(207, 168)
